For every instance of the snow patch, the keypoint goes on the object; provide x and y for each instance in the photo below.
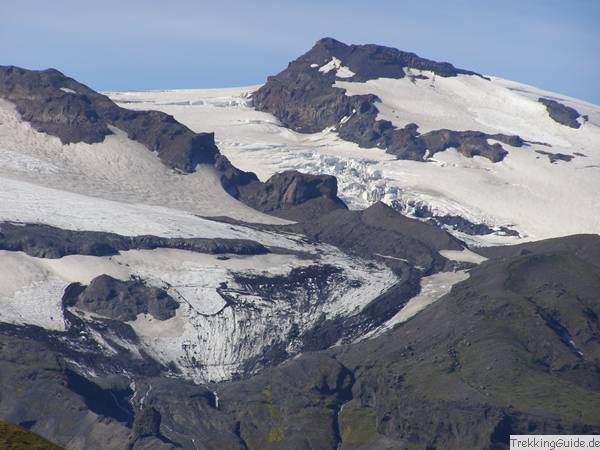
(335, 64)
(29, 292)
(464, 255)
(433, 288)
(117, 169)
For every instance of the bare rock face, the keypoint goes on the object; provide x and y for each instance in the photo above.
(121, 300)
(554, 157)
(408, 143)
(380, 232)
(304, 99)
(294, 195)
(60, 106)
(565, 115)
(44, 241)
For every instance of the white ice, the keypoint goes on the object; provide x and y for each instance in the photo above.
(117, 169)
(525, 191)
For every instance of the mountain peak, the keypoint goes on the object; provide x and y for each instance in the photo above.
(329, 42)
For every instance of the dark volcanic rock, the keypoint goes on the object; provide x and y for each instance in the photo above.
(232, 178)
(147, 423)
(106, 402)
(553, 157)
(121, 300)
(408, 143)
(560, 113)
(371, 61)
(305, 100)
(44, 241)
(457, 223)
(482, 360)
(62, 107)
(514, 349)
(293, 195)
(383, 233)
(533, 315)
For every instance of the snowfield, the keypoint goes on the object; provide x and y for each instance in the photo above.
(341, 71)
(119, 186)
(542, 201)
(117, 169)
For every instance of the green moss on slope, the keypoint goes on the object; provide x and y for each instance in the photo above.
(13, 437)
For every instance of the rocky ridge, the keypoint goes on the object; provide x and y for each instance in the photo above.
(303, 98)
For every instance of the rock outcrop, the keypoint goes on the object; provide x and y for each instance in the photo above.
(293, 195)
(120, 300)
(60, 106)
(303, 98)
(44, 241)
(565, 115)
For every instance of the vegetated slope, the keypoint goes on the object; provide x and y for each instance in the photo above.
(13, 437)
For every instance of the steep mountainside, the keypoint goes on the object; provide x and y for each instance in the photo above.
(155, 296)
(111, 273)
(511, 350)
(438, 117)
(306, 98)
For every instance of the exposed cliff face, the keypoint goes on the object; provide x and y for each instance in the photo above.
(120, 300)
(62, 107)
(305, 99)
(294, 195)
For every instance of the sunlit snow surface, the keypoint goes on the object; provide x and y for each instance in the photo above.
(525, 191)
(117, 170)
(120, 186)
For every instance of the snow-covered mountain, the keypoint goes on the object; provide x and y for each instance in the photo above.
(257, 289)
(308, 264)
(524, 196)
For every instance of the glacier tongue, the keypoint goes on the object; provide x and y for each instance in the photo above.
(232, 309)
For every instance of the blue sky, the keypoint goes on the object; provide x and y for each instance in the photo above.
(153, 44)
